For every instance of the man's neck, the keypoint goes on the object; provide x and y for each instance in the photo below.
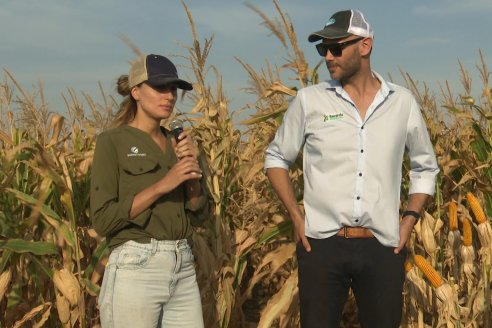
(362, 84)
(362, 89)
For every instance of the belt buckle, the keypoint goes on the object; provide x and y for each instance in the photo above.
(345, 233)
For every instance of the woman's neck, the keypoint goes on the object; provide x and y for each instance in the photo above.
(152, 127)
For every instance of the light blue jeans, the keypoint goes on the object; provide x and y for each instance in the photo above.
(150, 285)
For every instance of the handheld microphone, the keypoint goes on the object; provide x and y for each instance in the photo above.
(176, 127)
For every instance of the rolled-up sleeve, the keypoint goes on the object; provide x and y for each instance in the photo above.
(423, 164)
(109, 212)
(285, 147)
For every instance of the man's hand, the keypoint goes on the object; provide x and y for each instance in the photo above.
(406, 226)
(299, 235)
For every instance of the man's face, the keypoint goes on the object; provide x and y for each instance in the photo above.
(342, 56)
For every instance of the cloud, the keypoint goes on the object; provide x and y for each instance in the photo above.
(444, 8)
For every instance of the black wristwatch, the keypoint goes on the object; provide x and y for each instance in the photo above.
(416, 215)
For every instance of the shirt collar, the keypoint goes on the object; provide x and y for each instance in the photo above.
(386, 88)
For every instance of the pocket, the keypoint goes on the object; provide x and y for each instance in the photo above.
(140, 165)
(133, 258)
(105, 299)
(188, 255)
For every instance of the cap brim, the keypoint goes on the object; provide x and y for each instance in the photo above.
(160, 81)
(327, 33)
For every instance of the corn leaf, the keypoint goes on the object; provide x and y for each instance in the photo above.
(98, 253)
(30, 200)
(5, 259)
(25, 246)
(282, 229)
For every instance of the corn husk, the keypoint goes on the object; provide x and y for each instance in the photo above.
(67, 284)
(448, 303)
(416, 287)
(427, 231)
(5, 278)
(467, 265)
(485, 234)
(63, 308)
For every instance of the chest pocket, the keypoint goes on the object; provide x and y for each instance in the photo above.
(137, 166)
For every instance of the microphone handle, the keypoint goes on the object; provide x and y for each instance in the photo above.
(176, 132)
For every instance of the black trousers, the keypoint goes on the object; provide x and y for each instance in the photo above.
(375, 274)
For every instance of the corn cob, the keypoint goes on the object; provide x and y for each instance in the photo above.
(453, 216)
(467, 232)
(408, 266)
(429, 272)
(476, 208)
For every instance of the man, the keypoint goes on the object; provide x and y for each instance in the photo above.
(354, 130)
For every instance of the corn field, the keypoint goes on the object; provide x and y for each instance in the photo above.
(52, 261)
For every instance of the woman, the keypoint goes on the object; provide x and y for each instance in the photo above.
(143, 184)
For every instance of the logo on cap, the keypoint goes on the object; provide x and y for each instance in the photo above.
(330, 22)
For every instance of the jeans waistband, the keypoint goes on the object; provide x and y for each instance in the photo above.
(160, 245)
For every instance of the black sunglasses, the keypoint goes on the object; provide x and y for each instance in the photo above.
(335, 48)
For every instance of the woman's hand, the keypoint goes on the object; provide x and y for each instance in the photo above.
(185, 146)
(185, 169)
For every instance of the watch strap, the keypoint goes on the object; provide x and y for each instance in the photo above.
(415, 214)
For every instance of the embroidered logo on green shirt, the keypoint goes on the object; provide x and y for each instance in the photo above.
(331, 117)
(135, 152)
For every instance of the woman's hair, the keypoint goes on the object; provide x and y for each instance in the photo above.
(128, 107)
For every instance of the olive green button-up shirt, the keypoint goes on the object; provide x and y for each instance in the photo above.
(126, 161)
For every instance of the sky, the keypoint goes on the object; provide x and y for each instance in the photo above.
(76, 44)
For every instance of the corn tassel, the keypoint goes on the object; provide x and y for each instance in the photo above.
(453, 216)
(429, 272)
(476, 208)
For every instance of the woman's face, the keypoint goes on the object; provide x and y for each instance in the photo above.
(155, 102)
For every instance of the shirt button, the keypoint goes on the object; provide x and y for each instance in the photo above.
(356, 220)
(362, 150)
(358, 197)
(362, 128)
(360, 174)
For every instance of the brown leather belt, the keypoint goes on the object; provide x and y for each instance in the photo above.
(355, 232)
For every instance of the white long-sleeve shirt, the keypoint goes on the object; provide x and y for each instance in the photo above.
(353, 167)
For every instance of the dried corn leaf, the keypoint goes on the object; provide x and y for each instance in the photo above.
(279, 303)
(56, 126)
(31, 314)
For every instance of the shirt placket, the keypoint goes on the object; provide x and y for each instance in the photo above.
(359, 175)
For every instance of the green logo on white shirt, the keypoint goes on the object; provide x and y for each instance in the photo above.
(331, 117)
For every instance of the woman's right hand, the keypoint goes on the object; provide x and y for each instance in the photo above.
(185, 169)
